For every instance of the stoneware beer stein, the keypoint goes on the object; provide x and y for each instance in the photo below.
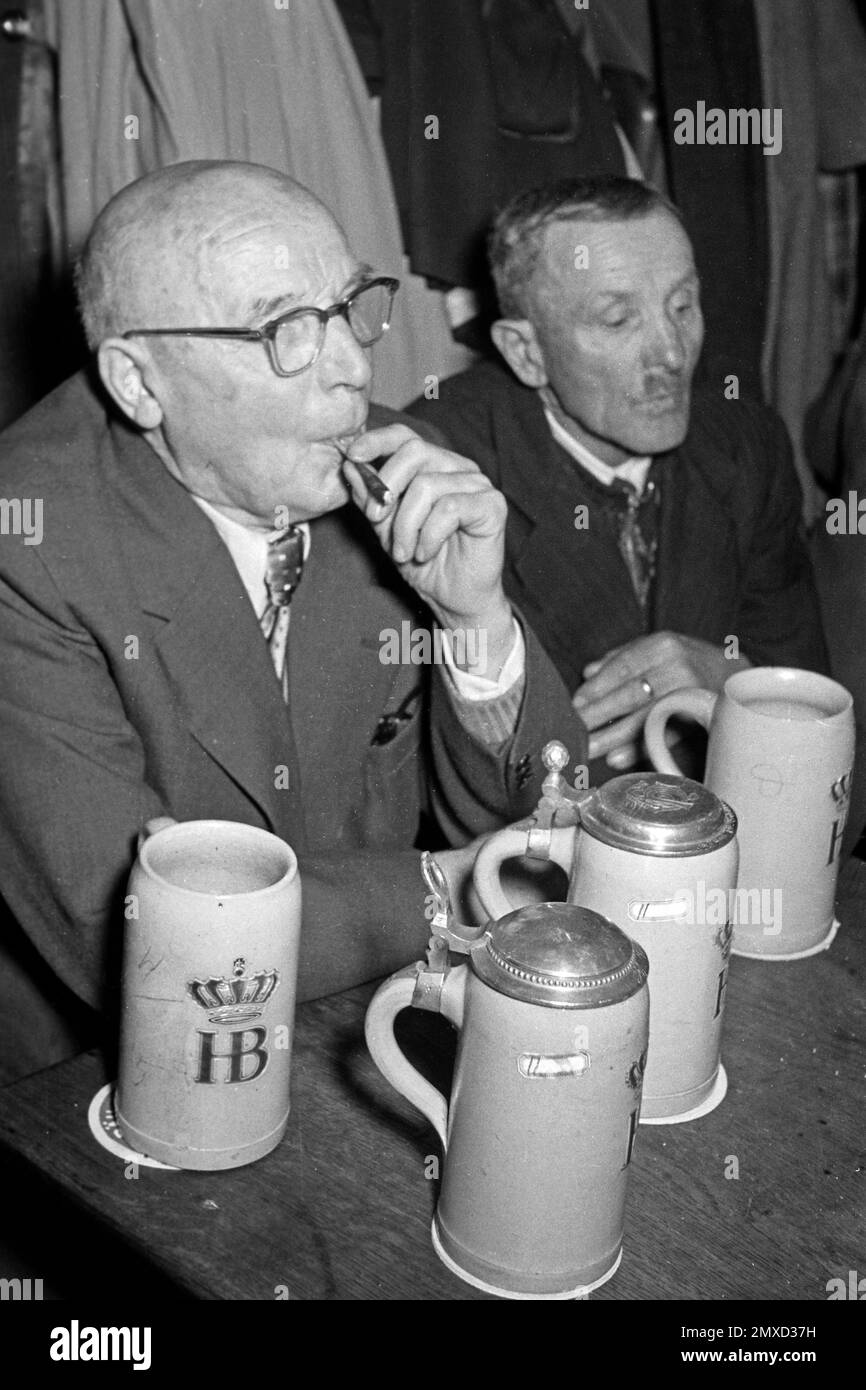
(781, 753)
(657, 855)
(208, 1004)
(552, 1013)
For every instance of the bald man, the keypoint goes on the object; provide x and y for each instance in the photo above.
(156, 670)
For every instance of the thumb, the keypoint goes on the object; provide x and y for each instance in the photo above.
(153, 827)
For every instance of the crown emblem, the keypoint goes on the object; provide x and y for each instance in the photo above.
(237, 998)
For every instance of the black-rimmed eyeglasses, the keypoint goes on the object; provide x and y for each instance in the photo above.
(294, 340)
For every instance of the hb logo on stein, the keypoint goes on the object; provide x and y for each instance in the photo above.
(237, 999)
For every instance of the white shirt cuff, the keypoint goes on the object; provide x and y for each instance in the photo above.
(470, 686)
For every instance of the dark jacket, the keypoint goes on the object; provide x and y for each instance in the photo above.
(101, 732)
(732, 556)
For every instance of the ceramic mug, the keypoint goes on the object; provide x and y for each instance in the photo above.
(781, 754)
(656, 855)
(552, 1012)
(208, 994)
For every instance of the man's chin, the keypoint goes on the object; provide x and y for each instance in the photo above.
(333, 497)
(313, 502)
(659, 434)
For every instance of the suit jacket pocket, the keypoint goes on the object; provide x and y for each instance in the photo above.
(394, 763)
(392, 788)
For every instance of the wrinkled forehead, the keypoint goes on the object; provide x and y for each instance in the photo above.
(281, 247)
(211, 257)
(580, 256)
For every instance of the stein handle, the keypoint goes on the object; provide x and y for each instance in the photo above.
(389, 1000)
(556, 845)
(695, 704)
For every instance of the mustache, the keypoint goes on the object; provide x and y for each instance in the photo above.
(656, 388)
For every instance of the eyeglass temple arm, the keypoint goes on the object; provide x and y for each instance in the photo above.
(254, 334)
(261, 334)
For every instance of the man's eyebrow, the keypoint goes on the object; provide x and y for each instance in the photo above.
(363, 272)
(602, 296)
(269, 308)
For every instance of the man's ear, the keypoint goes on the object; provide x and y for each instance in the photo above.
(516, 340)
(125, 367)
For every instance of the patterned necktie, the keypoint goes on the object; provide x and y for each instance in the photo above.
(637, 524)
(284, 568)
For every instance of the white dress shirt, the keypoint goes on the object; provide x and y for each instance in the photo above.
(248, 547)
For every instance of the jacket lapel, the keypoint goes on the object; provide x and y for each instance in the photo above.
(697, 545)
(210, 642)
(338, 684)
(551, 558)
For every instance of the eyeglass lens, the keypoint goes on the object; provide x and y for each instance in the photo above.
(297, 340)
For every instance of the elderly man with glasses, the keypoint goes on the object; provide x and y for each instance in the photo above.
(202, 630)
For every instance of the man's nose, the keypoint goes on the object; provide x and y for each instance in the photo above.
(343, 361)
(666, 344)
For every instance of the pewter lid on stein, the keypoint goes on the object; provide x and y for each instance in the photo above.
(560, 956)
(657, 813)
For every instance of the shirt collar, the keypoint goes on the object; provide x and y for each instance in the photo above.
(248, 547)
(633, 471)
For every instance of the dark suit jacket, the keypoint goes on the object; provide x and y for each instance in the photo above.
(101, 732)
(732, 558)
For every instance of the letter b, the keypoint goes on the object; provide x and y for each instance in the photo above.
(234, 1058)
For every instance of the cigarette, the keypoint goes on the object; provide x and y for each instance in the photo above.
(373, 483)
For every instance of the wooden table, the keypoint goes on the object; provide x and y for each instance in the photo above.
(342, 1208)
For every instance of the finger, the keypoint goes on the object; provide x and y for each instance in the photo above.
(153, 827)
(616, 735)
(636, 658)
(380, 443)
(620, 671)
(363, 495)
(623, 758)
(405, 453)
(592, 667)
(435, 507)
(377, 499)
(478, 514)
(630, 696)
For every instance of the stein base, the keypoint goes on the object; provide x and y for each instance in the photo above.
(106, 1131)
(200, 1160)
(580, 1291)
(709, 1103)
(815, 950)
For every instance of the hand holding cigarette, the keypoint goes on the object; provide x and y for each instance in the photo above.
(441, 521)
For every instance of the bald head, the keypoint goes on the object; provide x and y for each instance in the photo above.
(157, 253)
